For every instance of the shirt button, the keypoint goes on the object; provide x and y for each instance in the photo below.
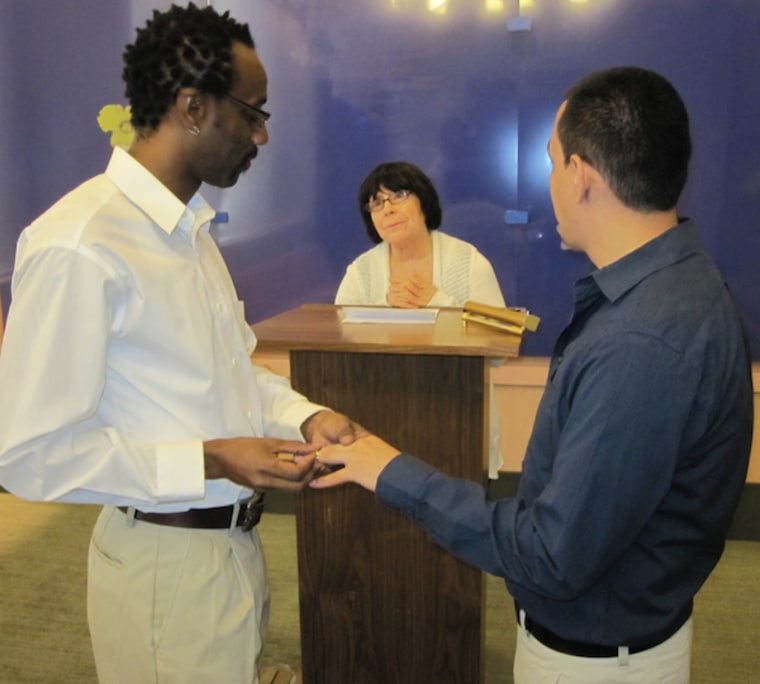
(234, 361)
(220, 307)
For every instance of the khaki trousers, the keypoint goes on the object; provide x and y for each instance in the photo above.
(666, 663)
(170, 605)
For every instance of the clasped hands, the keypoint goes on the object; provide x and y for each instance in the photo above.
(410, 293)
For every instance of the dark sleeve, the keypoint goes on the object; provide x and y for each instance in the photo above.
(614, 461)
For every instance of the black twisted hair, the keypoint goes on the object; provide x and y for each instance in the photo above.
(183, 47)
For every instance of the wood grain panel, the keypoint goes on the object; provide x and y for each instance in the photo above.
(379, 602)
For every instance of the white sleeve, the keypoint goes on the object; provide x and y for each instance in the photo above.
(52, 373)
(484, 287)
(284, 409)
(350, 291)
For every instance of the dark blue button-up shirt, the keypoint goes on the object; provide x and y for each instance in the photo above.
(637, 458)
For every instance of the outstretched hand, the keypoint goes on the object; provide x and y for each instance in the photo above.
(363, 461)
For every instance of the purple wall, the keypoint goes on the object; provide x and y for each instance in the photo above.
(356, 83)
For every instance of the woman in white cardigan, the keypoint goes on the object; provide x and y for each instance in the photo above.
(413, 264)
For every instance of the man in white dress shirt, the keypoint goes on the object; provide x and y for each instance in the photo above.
(125, 374)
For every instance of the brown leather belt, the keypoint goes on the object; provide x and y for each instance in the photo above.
(249, 514)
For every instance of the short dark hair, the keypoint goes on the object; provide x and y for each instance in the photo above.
(400, 175)
(183, 47)
(631, 125)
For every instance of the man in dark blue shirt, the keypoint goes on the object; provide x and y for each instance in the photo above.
(641, 443)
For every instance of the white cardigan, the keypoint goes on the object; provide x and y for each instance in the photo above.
(460, 272)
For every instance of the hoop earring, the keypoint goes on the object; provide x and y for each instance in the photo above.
(194, 130)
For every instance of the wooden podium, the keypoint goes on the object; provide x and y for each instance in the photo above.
(379, 602)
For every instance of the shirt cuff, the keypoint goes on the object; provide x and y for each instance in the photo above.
(401, 480)
(180, 471)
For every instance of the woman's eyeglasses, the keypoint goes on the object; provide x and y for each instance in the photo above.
(378, 203)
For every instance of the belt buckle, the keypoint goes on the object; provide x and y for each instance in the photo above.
(254, 507)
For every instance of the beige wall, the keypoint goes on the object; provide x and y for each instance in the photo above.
(518, 386)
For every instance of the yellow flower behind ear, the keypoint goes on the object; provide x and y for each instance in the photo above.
(117, 120)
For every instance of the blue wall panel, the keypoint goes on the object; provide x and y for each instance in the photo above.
(356, 83)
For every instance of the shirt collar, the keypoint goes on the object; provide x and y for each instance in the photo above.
(672, 246)
(145, 191)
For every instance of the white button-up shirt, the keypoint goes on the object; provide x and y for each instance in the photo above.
(125, 348)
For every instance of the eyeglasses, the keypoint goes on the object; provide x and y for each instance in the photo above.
(256, 116)
(378, 203)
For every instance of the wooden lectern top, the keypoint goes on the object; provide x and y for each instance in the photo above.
(319, 327)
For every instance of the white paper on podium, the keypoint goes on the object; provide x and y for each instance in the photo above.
(386, 314)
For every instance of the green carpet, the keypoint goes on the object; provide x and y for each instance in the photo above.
(43, 551)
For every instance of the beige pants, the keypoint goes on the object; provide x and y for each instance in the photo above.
(667, 663)
(169, 605)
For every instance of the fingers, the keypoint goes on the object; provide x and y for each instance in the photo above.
(284, 448)
(292, 464)
(364, 459)
(352, 432)
(287, 473)
(402, 302)
(330, 479)
(411, 293)
(330, 470)
(330, 456)
(331, 427)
